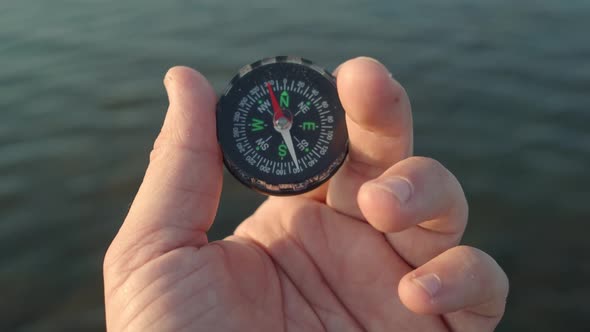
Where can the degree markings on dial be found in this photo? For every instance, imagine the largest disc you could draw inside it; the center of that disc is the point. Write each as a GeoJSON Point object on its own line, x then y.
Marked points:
{"type": "Point", "coordinates": [305, 92]}
{"type": "Point", "coordinates": [302, 160]}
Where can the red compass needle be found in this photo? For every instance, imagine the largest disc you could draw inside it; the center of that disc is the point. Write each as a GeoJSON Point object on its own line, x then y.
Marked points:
{"type": "Point", "coordinates": [275, 104]}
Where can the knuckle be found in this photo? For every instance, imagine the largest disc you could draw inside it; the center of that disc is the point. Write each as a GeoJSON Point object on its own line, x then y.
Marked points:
{"type": "Point", "coordinates": [173, 142]}
{"type": "Point", "coordinates": [429, 164]}
{"type": "Point", "coordinates": [471, 258]}
{"type": "Point", "coordinates": [476, 255]}
{"type": "Point", "coordinates": [428, 172]}
{"type": "Point", "coordinates": [157, 149]}
{"type": "Point", "coordinates": [426, 166]}
{"type": "Point", "coordinates": [476, 262]}
{"type": "Point", "coordinates": [441, 177]}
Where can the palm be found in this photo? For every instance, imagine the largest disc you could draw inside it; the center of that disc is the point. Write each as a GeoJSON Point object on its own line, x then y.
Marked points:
{"type": "Point", "coordinates": [296, 264]}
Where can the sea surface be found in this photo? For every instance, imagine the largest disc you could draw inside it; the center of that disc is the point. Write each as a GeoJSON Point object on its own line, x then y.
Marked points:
{"type": "Point", "coordinates": [500, 93]}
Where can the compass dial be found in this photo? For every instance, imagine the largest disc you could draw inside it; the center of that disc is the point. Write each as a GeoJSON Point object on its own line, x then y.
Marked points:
{"type": "Point", "coordinates": [281, 126]}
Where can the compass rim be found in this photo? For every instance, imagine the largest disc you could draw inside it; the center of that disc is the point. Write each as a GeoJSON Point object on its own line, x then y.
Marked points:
{"type": "Point", "coordinates": [254, 182]}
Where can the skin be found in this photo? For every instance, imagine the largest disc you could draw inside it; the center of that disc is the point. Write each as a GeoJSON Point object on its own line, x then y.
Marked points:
{"type": "Point", "coordinates": [374, 249]}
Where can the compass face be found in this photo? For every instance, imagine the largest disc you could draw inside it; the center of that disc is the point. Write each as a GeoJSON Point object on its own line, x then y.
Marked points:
{"type": "Point", "coordinates": [281, 126]}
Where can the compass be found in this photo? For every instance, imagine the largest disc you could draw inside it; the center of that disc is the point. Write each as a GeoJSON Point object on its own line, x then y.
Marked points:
{"type": "Point", "coordinates": [281, 127]}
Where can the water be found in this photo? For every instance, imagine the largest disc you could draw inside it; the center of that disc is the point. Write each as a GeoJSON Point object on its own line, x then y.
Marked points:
{"type": "Point", "coordinates": [499, 91]}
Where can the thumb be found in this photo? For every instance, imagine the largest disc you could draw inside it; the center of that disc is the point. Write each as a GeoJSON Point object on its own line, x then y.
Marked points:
{"type": "Point", "coordinates": [178, 199]}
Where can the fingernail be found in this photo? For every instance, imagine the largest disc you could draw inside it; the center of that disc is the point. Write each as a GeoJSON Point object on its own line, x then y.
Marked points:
{"type": "Point", "coordinates": [370, 59]}
{"type": "Point", "coordinates": [429, 282]}
{"type": "Point", "coordinates": [376, 61]}
{"type": "Point", "coordinates": [401, 188]}
{"type": "Point", "coordinates": [335, 71]}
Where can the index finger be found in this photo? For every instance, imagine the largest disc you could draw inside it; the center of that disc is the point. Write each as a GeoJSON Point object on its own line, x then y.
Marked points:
{"type": "Point", "coordinates": [379, 121]}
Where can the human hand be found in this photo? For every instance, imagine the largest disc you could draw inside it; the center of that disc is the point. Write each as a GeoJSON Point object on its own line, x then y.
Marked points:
{"type": "Point", "coordinates": [375, 248]}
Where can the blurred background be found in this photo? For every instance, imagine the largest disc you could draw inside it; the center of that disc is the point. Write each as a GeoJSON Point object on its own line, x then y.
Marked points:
{"type": "Point", "coordinates": [500, 92]}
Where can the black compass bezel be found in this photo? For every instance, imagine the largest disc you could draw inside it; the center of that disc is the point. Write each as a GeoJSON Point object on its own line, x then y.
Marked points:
{"type": "Point", "coordinates": [257, 182]}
